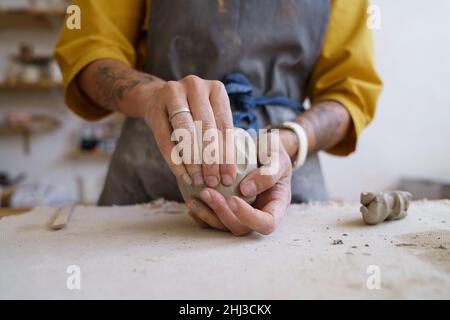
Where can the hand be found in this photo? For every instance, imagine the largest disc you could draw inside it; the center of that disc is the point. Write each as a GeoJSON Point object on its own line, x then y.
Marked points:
{"type": "Point", "coordinates": [208, 103]}
{"type": "Point", "coordinates": [235, 215]}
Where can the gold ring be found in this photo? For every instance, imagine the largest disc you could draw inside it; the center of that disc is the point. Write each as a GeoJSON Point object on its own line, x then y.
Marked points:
{"type": "Point", "coordinates": [177, 111]}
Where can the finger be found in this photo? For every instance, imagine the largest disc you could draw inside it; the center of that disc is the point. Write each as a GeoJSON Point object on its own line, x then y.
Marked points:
{"type": "Point", "coordinates": [198, 221]}
{"type": "Point", "coordinates": [253, 218]}
{"type": "Point", "coordinates": [162, 133]}
{"type": "Point", "coordinates": [198, 98]}
{"type": "Point", "coordinates": [218, 204]}
{"type": "Point", "coordinates": [264, 220]}
{"type": "Point", "coordinates": [202, 212]}
{"type": "Point", "coordinates": [259, 181]}
{"type": "Point", "coordinates": [175, 97]}
{"type": "Point", "coordinates": [220, 104]}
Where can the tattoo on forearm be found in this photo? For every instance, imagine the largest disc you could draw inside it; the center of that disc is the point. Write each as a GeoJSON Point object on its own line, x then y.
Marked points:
{"type": "Point", "coordinates": [114, 82]}
{"type": "Point", "coordinates": [327, 124]}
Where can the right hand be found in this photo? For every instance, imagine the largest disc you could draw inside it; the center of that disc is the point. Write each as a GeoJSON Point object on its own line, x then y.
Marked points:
{"type": "Point", "coordinates": [233, 214]}
{"type": "Point", "coordinates": [209, 103]}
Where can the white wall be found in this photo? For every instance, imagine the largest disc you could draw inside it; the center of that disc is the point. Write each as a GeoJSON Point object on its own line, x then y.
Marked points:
{"type": "Point", "coordinates": [410, 135]}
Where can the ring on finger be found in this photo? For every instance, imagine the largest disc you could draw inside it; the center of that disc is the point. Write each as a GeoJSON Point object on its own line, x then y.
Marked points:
{"type": "Point", "coordinates": [178, 110]}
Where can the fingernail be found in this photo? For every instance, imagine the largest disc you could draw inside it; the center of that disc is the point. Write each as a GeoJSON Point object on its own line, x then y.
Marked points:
{"type": "Point", "coordinates": [249, 188]}
{"type": "Point", "coordinates": [232, 204]}
{"type": "Point", "coordinates": [227, 180]}
{"type": "Point", "coordinates": [186, 179]}
{"type": "Point", "coordinates": [198, 179]}
{"type": "Point", "coordinates": [212, 181]}
{"type": "Point", "coordinates": [206, 195]}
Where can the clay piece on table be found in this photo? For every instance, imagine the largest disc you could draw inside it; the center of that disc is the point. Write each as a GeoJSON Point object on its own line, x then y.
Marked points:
{"type": "Point", "coordinates": [383, 206]}
{"type": "Point", "coordinates": [164, 206]}
{"type": "Point", "coordinates": [246, 153]}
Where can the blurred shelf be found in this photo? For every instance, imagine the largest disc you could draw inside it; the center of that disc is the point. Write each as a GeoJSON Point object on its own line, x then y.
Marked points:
{"type": "Point", "coordinates": [19, 130]}
{"type": "Point", "coordinates": [38, 124]}
{"type": "Point", "coordinates": [10, 130]}
{"type": "Point", "coordinates": [87, 155]}
{"type": "Point", "coordinates": [33, 12]}
{"type": "Point", "coordinates": [41, 85]}
{"type": "Point", "coordinates": [5, 212]}
{"type": "Point", "coordinates": [30, 17]}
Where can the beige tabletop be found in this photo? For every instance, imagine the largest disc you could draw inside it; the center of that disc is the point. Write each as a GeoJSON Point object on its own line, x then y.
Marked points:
{"type": "Point", "coordinates": [156, 252]}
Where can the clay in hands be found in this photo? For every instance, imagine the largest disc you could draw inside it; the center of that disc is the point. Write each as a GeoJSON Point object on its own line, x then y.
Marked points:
{"type": "Point", "coordinates": [245, 149]}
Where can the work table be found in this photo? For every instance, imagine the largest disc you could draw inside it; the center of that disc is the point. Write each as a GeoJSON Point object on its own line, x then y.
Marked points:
{"type": "Point", "coordinates": [155, 251]}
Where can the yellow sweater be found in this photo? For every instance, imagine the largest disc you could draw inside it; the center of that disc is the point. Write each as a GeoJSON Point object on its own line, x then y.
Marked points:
{"type": "Point", "coordinates": [115, 29]}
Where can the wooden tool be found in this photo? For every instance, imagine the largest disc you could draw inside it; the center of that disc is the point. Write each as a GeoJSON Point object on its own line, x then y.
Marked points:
{"type": "Point", "coordinates": [62, 217]}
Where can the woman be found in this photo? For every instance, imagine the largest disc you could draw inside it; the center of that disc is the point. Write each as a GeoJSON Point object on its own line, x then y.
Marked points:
{"type": "Point", "coordinates": [294, 49]}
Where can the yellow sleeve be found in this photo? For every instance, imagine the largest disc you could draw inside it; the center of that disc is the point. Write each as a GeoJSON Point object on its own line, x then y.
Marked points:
{"type": "Point", "coordinates": [109, 29]}
{"type": "Point", "coordinates": [345, 70]}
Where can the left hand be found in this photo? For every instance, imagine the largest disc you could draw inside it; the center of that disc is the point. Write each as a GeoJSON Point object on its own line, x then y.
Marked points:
{"type": "Point", "coordinates": [234, 214]}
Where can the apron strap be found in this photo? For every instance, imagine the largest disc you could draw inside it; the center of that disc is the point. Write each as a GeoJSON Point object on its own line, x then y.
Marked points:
{"type": "Point", "coordinates": [242, 102]}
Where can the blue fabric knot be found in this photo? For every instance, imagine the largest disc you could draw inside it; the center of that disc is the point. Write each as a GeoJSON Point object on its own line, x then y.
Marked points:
{"type": "Point", "coordinates": [242, 102]}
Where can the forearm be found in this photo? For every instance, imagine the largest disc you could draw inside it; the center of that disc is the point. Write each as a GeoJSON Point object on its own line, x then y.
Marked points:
{"type": "Point", "coordinates": [114, 86]}
{"type": "Point", "coordinates": [326, 124]}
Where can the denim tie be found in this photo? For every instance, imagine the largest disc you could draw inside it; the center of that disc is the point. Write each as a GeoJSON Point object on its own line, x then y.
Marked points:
{"type": "Point", "coordinates": [242, 102]}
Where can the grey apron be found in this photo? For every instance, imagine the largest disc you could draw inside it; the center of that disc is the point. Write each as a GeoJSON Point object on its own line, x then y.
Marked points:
{"type": "Point", "coordinates": [274, 43]}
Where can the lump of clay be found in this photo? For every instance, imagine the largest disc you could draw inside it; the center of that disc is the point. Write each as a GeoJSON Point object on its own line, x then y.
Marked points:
{"type": "Point", "coordinates": [246, 154]}
{"type": "Point", "coordinates": [382, 206]}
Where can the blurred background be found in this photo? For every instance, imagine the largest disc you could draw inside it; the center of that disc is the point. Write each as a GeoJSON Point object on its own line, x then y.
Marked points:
{"type": "Point", "coordinates": [407, 145]}
{"type": "Point", "coordinates": [48, 156]}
